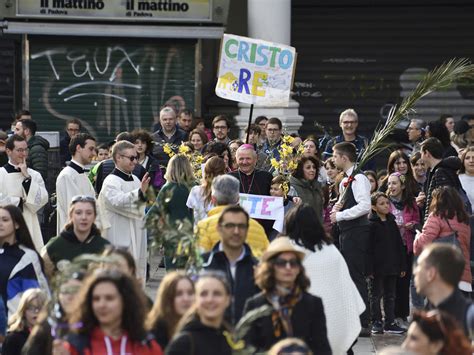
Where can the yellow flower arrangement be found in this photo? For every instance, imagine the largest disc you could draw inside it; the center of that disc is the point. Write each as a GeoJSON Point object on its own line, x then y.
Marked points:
{"type": "Point", "coordinates": [195, 158]}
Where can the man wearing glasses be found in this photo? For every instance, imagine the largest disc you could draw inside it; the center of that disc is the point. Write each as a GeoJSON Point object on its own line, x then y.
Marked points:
{"type": "Point", "coordinates": [416, 133]}
{"type": "Point", "coordinates": [23, 187]}
{"type": "Point", "coordinates": [348, 121]}
{"type": "Point", "coordinates": [73, 127]}
{"type": "Point", "coordinates": [122, 205]}
{"type": "Point", "coordinates": [72, 180]}
{"type": "Point", "coordinates": [272, 144]}
{"type": "Point", "coordinates": [221, 129]}
{"type": "Point", "coordinates": [233, 256]}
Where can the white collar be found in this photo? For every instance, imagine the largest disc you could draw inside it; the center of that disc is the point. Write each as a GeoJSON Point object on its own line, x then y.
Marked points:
{"type": "Point", "coordinates": [75, 162]}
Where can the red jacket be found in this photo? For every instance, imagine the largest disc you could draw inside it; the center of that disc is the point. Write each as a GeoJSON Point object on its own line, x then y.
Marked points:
{"type": "Point", "coordinates": [436, 227]}
{"type": "Point", "coordinates": [97, 345]}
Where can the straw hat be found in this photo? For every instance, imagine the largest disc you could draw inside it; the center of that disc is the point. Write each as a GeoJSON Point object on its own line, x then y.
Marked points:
{"type": "Point", "coordinates": [281, 245]}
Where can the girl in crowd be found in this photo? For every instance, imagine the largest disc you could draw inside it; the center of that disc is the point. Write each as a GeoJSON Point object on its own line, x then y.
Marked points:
{"type": "Point", "coordinates": [199, 199]}
{"type": "Point", "coordinates": [310, 145]}
{"type": "Point", "coordinates": [21, 322]}
{"type": "Point", "coordinates": [399, 162]}
{"type": "Point", "coordinates": [372, 176]}
{"type": "Point", "coordinates": [175, 296]}
{"type": "Point", "coordinates": [122, 260]}
{"type": "Point", "coordinates": [436, 333]}
{"type": "Point", "coordinates": [295, 313]}
{"type": "Point", "coordinates": [222, 151]}
{"type": "Point", "coordinates": [304, 181]}
{"type": "Point", "coordinates": [201, 330]}
{"type": "Point", "coordinates": [198, 123]}
{"type": "Point", "coordinates": [439, 130]}
{"type": "Point", "coordinates": [79, 236]}
{"type": "Point", "coordinates": [448, 122]}
{"type": "Point", "coordinates": [233, 146]}
{"type": "Point", "coordinates": [419, 170]}
{"type": "Point", "coordinates": [198, 139]}
{"type": "Point", "coordinates": [327, 271]}
{"type": "Point", "coordinates": [40, 341]}
{"type": "Point", "coordinates": [111, 311]}
{"type": "Point", "coordinates": [407, 217]}
{"type": "Point", "coordinates": [19, 261]}
{"type": "Point", "coordinates": [144, 144]}
{"type": "Point", "coordinates": [466, 173]}
{"type": "Point", "coordinates": [447, 217]}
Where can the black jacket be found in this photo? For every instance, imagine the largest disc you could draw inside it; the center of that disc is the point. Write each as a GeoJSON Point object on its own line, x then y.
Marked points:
{"type": "Point", "coordinates": [197, 339]}
{"type": "Point", "coordinates": [64, 153]}
{"type": "Point", "coordinates": [38, 155]}
{"type": "Point", "coordinates": [243, 286]}
{"type": "Point", "coordinates": [308, 320]}
{"type": "Point", "coordinates": [443, 174]}
{"type": "Point", "coordinates": [14, 342]}
{"type": "Point", "coordinates": [387, 255]}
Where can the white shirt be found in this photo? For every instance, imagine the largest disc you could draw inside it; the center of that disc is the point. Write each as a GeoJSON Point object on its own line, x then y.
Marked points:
{"type": "Point", "coordinates": [361, 190]}
{"type": "Point", "coordinates": [467, 183]}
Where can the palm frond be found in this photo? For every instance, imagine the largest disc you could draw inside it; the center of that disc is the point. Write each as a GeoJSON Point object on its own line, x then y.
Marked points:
{"type": "Point", "coordinates": [441, 77]}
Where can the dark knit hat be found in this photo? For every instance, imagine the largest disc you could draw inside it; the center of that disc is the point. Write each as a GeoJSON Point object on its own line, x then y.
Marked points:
{"type": "Point", "coordinates": [461, 127]}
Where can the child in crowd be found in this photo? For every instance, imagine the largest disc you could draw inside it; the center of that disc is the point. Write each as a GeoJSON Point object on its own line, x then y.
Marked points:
{"type": "Point", "coordinates": [407, 217]}
{"type": "Point", "coordinates": [372, 176]}
{"type": "Point", "coordinates": [102, 152]}
{"type": "Point", "coordinates": [387, 262]}
{"type": "Point", "coordinates": [381, 175]}
{"type": "Point", "coordinates": [289, 198]}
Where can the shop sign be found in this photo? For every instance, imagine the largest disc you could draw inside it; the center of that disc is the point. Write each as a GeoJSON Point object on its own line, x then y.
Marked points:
{"type": "Point", "coordinates": [255, 71]}
{"type": "Point", "coordinates": [136, 10]}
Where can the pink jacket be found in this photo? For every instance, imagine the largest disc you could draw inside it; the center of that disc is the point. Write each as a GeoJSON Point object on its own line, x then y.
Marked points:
{"type": "Point", "coordinates": [410, 215]}
{"type": "Point", "coordinates": [438, 227]}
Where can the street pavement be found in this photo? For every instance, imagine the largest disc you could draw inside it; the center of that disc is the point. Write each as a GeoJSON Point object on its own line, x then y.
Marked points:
{"type": "Point", "coordinates": [364, 346]}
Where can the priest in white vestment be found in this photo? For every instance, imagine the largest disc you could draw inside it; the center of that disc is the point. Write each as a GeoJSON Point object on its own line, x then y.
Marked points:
{"type": "Point", "coordinates": [72, 180]}
{"type": "Point", "coordinates": [122, 205]}
{"type": "Point", "coordinates": [23, 187]}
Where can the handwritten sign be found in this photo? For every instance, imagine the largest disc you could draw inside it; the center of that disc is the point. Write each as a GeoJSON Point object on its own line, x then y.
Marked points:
{"type": "Point", "coordinates": [255, 71]}
{"type": "Point", "coordinates": [264, 207]}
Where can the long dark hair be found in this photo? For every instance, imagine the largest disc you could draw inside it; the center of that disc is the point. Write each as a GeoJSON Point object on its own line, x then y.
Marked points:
{"type": "Point", "coordinates": [303, 226]}
{"type": "Point", "coordinates": [447, 203]}
{"type": "Point", "coordinates": [438, 130]}
{"type": "Point", "coordinates": [299, 173]}
{"type": "Point", "coordinates": [133, 300]}
{"type": "Point", "coordinates": [22, 234]}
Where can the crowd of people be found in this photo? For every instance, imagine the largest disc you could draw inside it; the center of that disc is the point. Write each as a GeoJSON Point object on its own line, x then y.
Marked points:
{"type": "Point", "coordinates": [362, 251]}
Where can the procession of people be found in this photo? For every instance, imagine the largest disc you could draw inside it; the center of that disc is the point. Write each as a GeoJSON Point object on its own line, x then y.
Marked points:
{"type": "Point", "coordinates": [359, 250]}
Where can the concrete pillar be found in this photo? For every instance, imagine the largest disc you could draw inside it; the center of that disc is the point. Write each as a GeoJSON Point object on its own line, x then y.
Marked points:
{"type": "Point", "coordinates": [270, 20]}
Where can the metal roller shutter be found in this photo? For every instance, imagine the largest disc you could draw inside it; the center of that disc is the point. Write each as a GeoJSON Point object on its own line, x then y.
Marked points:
{"type": "Point", "coordinates": [111, 85]}
{"type": "Point", "coordinates": [369, 57]}
{"type": "Point", "coordinates": [7, 82]}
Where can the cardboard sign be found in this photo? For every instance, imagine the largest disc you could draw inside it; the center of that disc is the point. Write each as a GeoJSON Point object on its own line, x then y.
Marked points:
{"type": "Point", "coordinates": [264, 207]}
{"type": "Point", "coordinates": [255, 71]}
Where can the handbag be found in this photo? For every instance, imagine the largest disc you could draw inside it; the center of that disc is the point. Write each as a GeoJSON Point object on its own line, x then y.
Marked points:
{"type": "Point", "coordinates": [449, 239]}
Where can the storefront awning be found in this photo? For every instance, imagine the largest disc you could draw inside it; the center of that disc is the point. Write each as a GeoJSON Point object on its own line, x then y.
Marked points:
{"type": "Point", "coordinates": [106, 30]}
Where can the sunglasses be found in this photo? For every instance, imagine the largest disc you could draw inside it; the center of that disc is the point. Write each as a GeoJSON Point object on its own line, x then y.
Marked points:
{"type": "Point", "coordinates": [132, 157]}
{"type": "Point", "coordinates": [83, 198]}
{"type": "Point", "coordinates": [282, 263]}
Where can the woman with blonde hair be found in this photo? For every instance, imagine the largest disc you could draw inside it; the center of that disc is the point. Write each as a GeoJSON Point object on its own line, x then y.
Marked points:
{"type": "Point", "coordinates": [199, 199]}
{"type": "Point", "coordinates": [172, 198]}
{"type": "Point", "coordinates": [201, 331]}
{"type": "Point", "coordinates": [175, 296]}
{"type": "Point", "coordinates": [22, 321]}
{"type": "Point", "coordinates": [79, 236]}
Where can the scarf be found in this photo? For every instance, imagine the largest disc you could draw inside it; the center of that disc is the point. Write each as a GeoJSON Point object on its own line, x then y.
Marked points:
{"type": "Point", "coordinates": [283, 309]}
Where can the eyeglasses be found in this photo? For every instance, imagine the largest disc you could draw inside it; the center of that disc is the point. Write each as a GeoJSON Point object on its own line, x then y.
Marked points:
{"type": "Point", "coordinates": [69, 290]}
{"type": "Point", "coordinates": [132, 157]}
{"type": "Point", "coordinates": [230, 226]}
{"type": "Point", "coordinates": [82, 198]}
{"type": "Point", "coordinates": [73, 130]}
{"type": "Point", "coordinates": [282, 263]}
{"type": "Point", "coordinates": [33, 309]}
{"type": "Point", "coordinates": [412, 129]}
{"type": "Point", "coordinates": [220, 128]}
